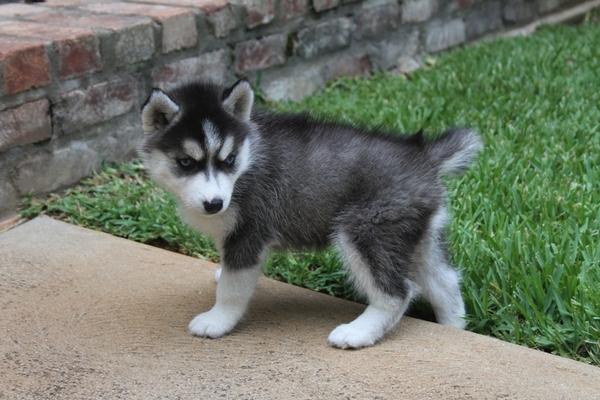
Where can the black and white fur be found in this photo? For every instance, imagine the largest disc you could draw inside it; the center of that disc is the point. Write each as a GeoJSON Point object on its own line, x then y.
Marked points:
{"type": "Point", "coordinates": [257, 181]}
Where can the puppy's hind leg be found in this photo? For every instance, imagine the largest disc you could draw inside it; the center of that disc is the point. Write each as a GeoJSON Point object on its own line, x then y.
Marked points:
{"type": "Point", "coordinates": [439, 281]}
{"type": "Point", "coordinates": [234, 291]}
{"type": "Point", "coordinates": [384, 310]}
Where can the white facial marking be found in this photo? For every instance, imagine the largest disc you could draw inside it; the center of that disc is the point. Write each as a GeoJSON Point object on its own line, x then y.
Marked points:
{"type": "Point", "coordinates": [206, 187]}
{"type": "Point", "coordinates": [226, 149]}
{"type": "Point", "coordinates": [243, 159]}
{"type": "Point", "coordinates": [193, 149]}
{"type": "Point", "coordinates": [203, 187]}
{"type": "Point", "coordinates": [193, 190]}
{"type": "Point", "coordinates": [214, 184]}
{"type": "Point", "coordinates": [159, 167]}
{"type": "Point", "coordinates": [213, 142]}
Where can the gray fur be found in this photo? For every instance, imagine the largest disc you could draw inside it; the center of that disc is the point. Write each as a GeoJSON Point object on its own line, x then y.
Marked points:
{"type": "Point", "coordinates": [307, 183]}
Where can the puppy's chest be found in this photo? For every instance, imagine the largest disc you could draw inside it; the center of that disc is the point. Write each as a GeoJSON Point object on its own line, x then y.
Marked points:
{"type": "Point", "coordinates": [217, 227]}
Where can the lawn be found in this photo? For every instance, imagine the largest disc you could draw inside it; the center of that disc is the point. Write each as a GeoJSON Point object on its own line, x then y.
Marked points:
{"type": "Point", "coordinates": [526, 217]}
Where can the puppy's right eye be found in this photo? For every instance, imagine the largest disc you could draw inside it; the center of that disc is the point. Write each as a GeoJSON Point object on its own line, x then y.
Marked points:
{"type": "Point", "coordinates": [185, 163]}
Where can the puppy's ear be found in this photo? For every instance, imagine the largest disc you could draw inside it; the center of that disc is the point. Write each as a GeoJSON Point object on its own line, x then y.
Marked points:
{"type": "Point", "coordinates": [239, 99]}
{"type": "Point", "coordinates": [158, 111]}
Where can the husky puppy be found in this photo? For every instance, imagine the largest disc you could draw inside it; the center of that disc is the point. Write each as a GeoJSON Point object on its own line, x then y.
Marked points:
{"type": "Point", "coordinates": [256, 181]}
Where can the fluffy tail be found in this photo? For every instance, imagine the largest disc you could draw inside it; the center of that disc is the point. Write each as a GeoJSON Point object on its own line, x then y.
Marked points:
{"type": "Point", "coordinates": [455, 150]}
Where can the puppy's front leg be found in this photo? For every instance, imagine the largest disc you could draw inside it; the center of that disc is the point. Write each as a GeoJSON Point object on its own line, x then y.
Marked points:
{"type": "Point", "coordinates": [234, 290]}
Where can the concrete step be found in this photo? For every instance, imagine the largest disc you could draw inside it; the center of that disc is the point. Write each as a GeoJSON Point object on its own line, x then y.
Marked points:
{"type": "Point", "coordinates": [87, 315]}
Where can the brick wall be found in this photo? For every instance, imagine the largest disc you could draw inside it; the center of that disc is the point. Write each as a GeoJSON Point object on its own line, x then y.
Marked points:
{"type": "Point", "coordinates": [73, 73]}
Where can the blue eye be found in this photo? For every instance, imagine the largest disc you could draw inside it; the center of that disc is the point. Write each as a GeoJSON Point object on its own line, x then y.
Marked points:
{"type": "Point", "coordinates": [185, 163]}
{"type": "Point", "coordinates": [229, 161]}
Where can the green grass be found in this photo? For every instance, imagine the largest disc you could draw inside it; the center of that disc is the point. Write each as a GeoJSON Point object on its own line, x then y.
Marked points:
{"type": "Point", "coordinates": [526, 225]}
{"type": "Point", "coordinates": [122, 201]}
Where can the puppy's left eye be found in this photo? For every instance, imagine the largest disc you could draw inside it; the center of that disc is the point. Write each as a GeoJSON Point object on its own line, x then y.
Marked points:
{"type": "Point", "coordinates": [229, 161]}
{"type": "Point", "coordinates": [185, 163]}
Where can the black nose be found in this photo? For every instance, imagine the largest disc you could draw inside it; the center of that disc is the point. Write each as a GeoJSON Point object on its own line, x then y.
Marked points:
{"type": "Point", "coordinates": [213, 206]}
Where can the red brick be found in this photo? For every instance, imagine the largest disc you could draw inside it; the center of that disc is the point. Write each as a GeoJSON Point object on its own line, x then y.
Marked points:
{"type": "Point", "coordinates": [82, 108]}
{"type": "Point", "coordinates": [297, 83]}
{"type": "Point", "coordinates": [260, 54]}
{"type": "Point", "coordinates": [210, 66]}
{"type": "Point", "coordinates": [41, 30]}
{"type": "Point", "coordinates": [65, 3]}
{"type": "Point", "coordinates": [179, 32]}
{"type": "Point", "coordinates": [44, 172]}
{"type": "Point", "coordinates": [441, 36]}
{"type": "Point", "coordinates": [77, 49]}
{"type": "Point", "coordinates": [459, 5]}
{"type": "Point", "coordinates": [518, 11]}
{"type": "Point", "coordinates": [17, 9]}
{"type": "Point", "coordinates": [78, 19]}
{"type": "Point", "coordinates": [260, 12]}
{"type": "Point", "coordinates": [419, 10]}
{"type": "Point", "coordinates": [484, 18]}
{"type": "Point", "coordinates": [134, 35]}
{"type": "Point", "coordinates": [178, 24]}
{"type": "Point", "coordinates": [222, 20]}
{"type": "Point", "coordinates": [322, 5]}
{"type": "Point", "coordinates": [404, 46]}
{"type": "Point", "coordinates": [293, 8]}
{"type": "Point", "coordinates": [25, 64]}
{"type": "Point", "coordinates": [78, 56]}
{"type": "Point", "coordinates": [208, 6]}
{"type": "Point", "coordinates": [324, 38]}
{"type": "Point", "coordinates": [9, 201]}
{"type": "Point", "coordinates": [377, 21]}
{"type": "Point", "coordinates": [352, 65]}
{"type": "Point", "coordinates": [545, 6]}
{"type": "Point", "coordinates": [26, 124]}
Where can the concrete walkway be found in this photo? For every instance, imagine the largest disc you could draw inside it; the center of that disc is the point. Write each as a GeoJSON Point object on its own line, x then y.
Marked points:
{"type": "Point", "coordinates": [87, 315]}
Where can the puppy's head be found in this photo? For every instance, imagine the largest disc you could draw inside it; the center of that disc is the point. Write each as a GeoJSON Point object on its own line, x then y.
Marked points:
{"type": "Point", "coordinates": [197, 142]}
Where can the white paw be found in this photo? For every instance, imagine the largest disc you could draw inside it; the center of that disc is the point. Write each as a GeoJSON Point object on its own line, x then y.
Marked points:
{"type": "Point", "coordinates": [347, 336]}
{"type": "Point", "coordinates": [455, 321]}
{"type": "Point", "coordinates": [218, 274]}
{"type": "Point", "coordinates": [211, 324]}
{"type": "Point", "coordinates": [455, 318]}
